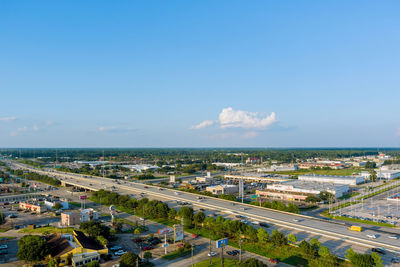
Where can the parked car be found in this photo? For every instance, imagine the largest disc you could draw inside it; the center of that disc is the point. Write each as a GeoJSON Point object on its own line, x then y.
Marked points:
{"type": "Point", "coordinates": [378, 250]}
{"type": "Point", "coordinates": [263, 224]}
{"type": "Point", "coordinates": [138, 240]}
{"type": "Point", "coordinates": [394, 260]}
{"type": "Point", "coordinates": [180, 245]}
{"type": "Point", "coordinates": [115, 248]}
{"type": "Point", "coordinates": [211, 254]}
{"type": "Point", "coordinates": [273, 261]}
{"type": "Point", "coordinates": [120, 253]}
{"type": "Point", "coordinates": [194, 235]}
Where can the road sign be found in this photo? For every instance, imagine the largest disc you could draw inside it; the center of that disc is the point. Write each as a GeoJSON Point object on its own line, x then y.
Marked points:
{"type": "Point", "coordinates": [178, 235]}
{"type": "Point", "coordinates": [165, 245]}
{"type": "Point", "coordinates": [221, 243]}
{"type": "Point", "coordinates": [164, 231]}
{"type": "Point", "coordinates": [83, 197]}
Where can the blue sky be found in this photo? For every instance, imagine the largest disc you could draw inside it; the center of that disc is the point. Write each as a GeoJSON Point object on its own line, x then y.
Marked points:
{"type": "Point", "coordinates": [199, 73]}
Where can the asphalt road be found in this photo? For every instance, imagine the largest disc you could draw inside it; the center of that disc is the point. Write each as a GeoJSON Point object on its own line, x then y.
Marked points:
{"type": "Point", "coordinates": [328, 229]}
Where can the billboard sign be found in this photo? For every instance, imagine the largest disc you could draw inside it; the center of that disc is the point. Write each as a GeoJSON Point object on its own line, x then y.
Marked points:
{"type": "Point", "coordinates": [221, 243]}
{"type": "Point", "coordinates": [178, 232]}
{"type": "Point", "coordinates": [165, 231]}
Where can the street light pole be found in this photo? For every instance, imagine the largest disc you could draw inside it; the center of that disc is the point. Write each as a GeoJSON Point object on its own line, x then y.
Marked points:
{"type": "Point", "coordinates": [192, 254]}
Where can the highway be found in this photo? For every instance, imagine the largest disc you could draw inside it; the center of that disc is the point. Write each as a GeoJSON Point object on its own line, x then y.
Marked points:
{"type": "Point", "coordinates": [329, 229]}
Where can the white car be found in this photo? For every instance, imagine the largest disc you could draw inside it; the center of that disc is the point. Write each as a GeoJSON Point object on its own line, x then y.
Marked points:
{"type": "Point", "coordinates": [393, 237]}
{"type": "Point", "coordinates": [120, 253]}
{"type": "Point", "coordinates": [296, 220]}
{"type": "Point", "coordinates": [255, 222]}
{"type": "Point", "coordinates": [211, 254]}
{"type": "Point", "coordinates": [3, 247]}
{"type": "Point", "coordinates": [371, 236]}
{"type": "Point", "coordinates": [176, 193]}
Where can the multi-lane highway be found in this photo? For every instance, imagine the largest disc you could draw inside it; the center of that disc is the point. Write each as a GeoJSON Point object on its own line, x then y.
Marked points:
{"type": "Point", "coordinates": [329, 229]}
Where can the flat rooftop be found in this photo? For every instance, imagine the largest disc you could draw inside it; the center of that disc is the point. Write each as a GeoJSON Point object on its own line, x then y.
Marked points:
{"type": "Point", "coordinates": [331, 176]}
{"type": "Point", "coordinates": [312, 185]}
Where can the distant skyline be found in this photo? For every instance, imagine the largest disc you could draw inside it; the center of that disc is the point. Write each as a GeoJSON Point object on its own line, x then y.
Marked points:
{"type": "Point", "coordinates": [200, 74]}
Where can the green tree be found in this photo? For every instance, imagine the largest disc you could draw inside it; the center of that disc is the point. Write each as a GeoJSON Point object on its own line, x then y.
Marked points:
{"type": "Point", "coordinates": [252, 263]}
{"type": "Point", "coordinates": [93, 264]}
{"type": "Point", "coordinates": [315, 243]}
{"type": "Point", "coordinates": [52, 263]}
{"type": "Point", "coordinates": [198, 218]}
{"type": "Point", "coordinates": [324, 252]}
{"type": "Point", "coordinates": [128, 260]}
{"type": "Point", "coordinates": [94, 229]}
{"type": "Point", "coordinates": [2, 218]}
{"type": "Point", "coordinates": [262, 235]}
{"type": "Point", "coordinates": [57, 206]}
{"type": "Point", "coordinates": [308, 250]}
{"type": "Point", "coordinates": [172, 214]}
{"type": "Point", "coordinates": [277, 238]}
{"type": "Point", "coordinates": [312, 199]}
{"type": "Point", "coordinates": [377, 259]}
{"type": "Point", "coordinates": [292, 238]}
{"type": "Point", "coordinates": [32, 248]}
{"type": "Point", "coordinates": [147, 255]}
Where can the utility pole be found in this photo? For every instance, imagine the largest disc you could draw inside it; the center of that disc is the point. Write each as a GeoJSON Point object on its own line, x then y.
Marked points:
{"type": "Point", "coordinates": [210, 249]}
{"type": "Point", "coordinates": [240, 246]}
{"type": "Point", "coordinates": [192, 254]}
{"type": "Point", "coordinates": [222, 256]}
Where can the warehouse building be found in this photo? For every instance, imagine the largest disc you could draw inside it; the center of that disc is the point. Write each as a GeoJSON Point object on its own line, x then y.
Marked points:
{"type": "Point", "coordinates": [223, 189]}
{"type": "Point", "coordinates": [388, 174]}
{"type": "Point", "coordinates": [299, 190]}
{"type": "Point", "coordinates": [347, 180]}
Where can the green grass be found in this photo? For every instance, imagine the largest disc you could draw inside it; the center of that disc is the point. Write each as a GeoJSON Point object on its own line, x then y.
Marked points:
{"type": "Point", "coordinates": [47, 230]}
{"type": "Point", "coordinates": [379, 192]}
{"type": "Point", "coordinates": [349, 195]}
{"type": "Point", "coordinates": [176, 254]}
{"type": "Point", "coordinates": [361, 221]}
{"type": "Point", "coordinates": [75, 204]}
{"type": "Point", "coordinates": [216, 262]}
{"type": "Point", "coordinates": [2, 230]}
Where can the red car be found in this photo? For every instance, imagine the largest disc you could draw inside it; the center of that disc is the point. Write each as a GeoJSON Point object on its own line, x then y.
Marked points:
{"type": "Point", "coordinates": [180, 245]}
{"type": "Point", "coordinates": [147, 248]}
{"type": "Point", "coordinates": [273, 261]}
{"type": "Point", "coordinates": [194, 235]}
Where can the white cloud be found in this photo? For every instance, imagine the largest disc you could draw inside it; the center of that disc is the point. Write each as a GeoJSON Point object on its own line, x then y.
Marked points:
{"type": "Point", "coordinates": [35, 128]}
{"type": "Point", "coordinates": [230, 118]}
{"type": "Point", "coordinates": [19, 130]}
{"type": "Point", "coordinates": [8, 119]}
{"type": "Point", "coordinates": [201, 125]}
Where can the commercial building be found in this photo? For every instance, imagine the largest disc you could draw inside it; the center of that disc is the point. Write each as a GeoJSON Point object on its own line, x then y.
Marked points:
{"type": "Point", "coordinates": [50, 203]}
{"type": "Point", "coordinates": [32, 207]}
{"type": "Point", "coordinates": [348, 180]}
{"type": "Point", "coordinates": [223, 189]}
{"type": "Point", "coordinates": [89, 215]}
{"type": "Point", "coordinates": [256, 177]}
{"type": "Point", "coordinates": [205, 179]}
{"type": "Point", "coordinates": [387, 174]}
{"type": "Point", "coordinates": [299, 190]}
{"type": "Point", "coordinates": [69, 218]}
{"type": "Point", "coordinates": [252, 160]}
{"type": "Point", "coordinates": [332, 165]}
{"type": "Point", "coordinates": [83, 249]}
{"type": "Point", "coordinates": [279, 168]}
{"type": "Point", "coordinates": [19, 198]}
{"type": "Point", "coordinates": [141, 167]}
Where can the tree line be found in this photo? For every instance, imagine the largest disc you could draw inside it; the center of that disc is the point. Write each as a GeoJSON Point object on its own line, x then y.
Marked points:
{"type": "Point", "coordinates": [259, 240]}
{"type": "Point", "coordinates": [36, 177]}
